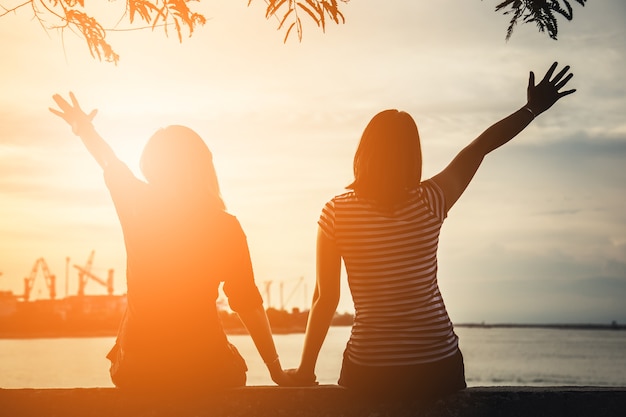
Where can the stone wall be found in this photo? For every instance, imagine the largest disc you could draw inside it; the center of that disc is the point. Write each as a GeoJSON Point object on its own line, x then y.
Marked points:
{"type": "Point", "coordinates": [322, 401]}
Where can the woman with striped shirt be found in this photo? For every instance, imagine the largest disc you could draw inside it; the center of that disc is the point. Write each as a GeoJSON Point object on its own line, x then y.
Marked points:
{"type": "Point", "coordinates": [386, 230]}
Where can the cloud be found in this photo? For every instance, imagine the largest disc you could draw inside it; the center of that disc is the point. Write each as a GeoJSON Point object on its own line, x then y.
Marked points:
{"type": "Point", "coordinates": [540, 234]}
{"type": "Point", "coordinates": [597, 299]}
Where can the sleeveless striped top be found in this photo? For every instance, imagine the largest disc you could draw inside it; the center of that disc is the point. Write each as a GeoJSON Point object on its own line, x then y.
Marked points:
{"type": "Point", "coordinates": [391, 261]}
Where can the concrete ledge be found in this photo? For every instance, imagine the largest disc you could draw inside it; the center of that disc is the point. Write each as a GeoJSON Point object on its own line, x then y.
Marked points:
{"type": "Point", "coordinates": [322, 401]}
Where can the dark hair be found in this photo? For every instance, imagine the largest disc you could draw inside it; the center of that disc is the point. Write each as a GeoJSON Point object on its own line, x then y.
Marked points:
{"type": "Point", "coordinates": [388, 161]}
{"type": "Point", "coordinates": [176, 157]}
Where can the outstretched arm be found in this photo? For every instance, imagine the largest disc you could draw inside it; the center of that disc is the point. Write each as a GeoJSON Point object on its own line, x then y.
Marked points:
{"type": "Point", "coordinates": [82, 127]}
{"type": "Point", "coordinates": [325, 300]}
{"type": "Point", "coordinates": [455, 178]}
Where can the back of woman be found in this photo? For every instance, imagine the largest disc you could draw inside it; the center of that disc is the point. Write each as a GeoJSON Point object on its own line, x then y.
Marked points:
{"type": "Point", "coordinates": [386, 231]}
{"type": "Point", "coordinates": [180, 245]}
{"type": "Point", "coordinates": [390, 257]}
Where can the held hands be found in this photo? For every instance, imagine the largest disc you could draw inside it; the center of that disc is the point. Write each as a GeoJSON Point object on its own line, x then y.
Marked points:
{"type": "Point", "coordinates": [543, 95]}
{"type": "Point", "coordinates": [289, 377]}
{"type": "Point", "coordinates": [72, 113]}
{"type": "Point", "coordinates": [279, 376]}
{"type": "Point", "coordinates": [297, 379]}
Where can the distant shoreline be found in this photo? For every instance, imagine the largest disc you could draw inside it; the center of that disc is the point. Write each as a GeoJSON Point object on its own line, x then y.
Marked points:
{"type": "Point", "coordinates": [556, 326]}
{"type": "Point", "coordinates": [295, 330]}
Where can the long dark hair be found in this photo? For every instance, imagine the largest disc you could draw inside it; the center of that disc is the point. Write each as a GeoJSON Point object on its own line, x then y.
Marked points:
{"type": "Point", "coordinates": [388, 161]}
{"type": "Point", "coordinates": [177, 158]}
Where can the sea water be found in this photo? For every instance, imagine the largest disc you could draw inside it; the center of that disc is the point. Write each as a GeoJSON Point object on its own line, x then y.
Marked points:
{"type": "Point", "coordinates": [493, 356]}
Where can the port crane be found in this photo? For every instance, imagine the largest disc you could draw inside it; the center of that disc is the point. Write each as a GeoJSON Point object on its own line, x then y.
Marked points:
{"type": "Point", "coordinates": [29, 281]}
{"type": "Point", "coordinates": [290, 296]}
{"type": "Point", "coordinates": [84, 273]}
{"type": "Point", "coordinates": [283, 301]}
{"type": "Point", "coordinates": [268, 284]}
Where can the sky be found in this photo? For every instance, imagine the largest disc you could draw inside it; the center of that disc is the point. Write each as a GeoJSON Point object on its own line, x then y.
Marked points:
{"type": "Point", "coordinates": [538, 237]}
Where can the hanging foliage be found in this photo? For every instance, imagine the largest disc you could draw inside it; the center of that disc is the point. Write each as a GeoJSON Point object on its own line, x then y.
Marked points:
{"type": "Point", "coordinates": [290, 11]}
{"type": "Point", "coordinates": [71, 14]}
{"type": "Point", "coordinates": [541, 12]}
{"type": "Point", "coordinates": [178, 14]}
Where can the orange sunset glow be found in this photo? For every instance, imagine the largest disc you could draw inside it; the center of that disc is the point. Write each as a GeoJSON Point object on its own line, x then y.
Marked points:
{"type": "Point", "coordinates": [539, 236]}
{"type": "Point", "coordinates": [185, 193]}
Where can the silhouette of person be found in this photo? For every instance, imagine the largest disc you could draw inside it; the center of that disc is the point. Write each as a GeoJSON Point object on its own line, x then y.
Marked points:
{"type": "Point", "coordinates": [386, 231]}
{"type": "Point", "coordinates": [180, 245]}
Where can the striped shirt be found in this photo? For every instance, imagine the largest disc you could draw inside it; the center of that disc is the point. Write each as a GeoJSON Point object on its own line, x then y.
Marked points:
{"type": "Point", "coordinates": [391, 261]}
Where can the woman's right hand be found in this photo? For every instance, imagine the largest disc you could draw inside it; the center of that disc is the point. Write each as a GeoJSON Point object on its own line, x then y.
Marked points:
{"type": "Point", "coordinates": [543, 95]}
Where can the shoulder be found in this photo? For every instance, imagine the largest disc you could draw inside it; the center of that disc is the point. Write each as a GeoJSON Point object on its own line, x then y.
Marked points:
{"type": "Point", "coordinates": [429, 189]}
{"type": "Point", "coordinates": [347, 198]}
{"type": "Point", "coordinates": [227, 217]}
{"type": "Point", "coordinates": [123, 185]}
{"type": "Point", "coordinates": [433, 196]}
{"type": "Point", "coordinates": [228, 223]}
{"type": "Point", "coordinates": [340, 202]}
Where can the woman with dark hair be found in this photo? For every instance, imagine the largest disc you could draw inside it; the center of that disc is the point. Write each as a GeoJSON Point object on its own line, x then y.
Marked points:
{"type": "Point", "coordinates": [180, 245]}
{"type": "Point", "coordinates": [386, 231]}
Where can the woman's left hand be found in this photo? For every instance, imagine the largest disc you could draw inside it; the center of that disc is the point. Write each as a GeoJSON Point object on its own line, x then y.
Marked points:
{"type": "Point", "coordinates": [72, 113]}
{"type": "Point", "coordinates": [543, 95]}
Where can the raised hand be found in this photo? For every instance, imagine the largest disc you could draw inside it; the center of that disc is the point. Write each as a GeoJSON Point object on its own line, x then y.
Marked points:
{"type": "Point", "coordinates": [81, 126]}
{"type": "Point", "coordinates": [543, 95]}
{"type": "Point", "coordinates": [72, 113]}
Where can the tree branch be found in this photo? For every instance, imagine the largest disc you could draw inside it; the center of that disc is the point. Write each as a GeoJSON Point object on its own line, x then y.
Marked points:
{"type": "Point", "coordinates": [13, 9]}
